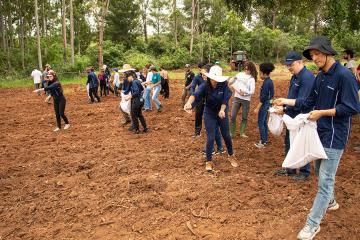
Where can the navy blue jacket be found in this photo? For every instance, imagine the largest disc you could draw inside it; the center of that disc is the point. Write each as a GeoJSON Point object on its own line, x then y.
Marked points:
{"type": "Point", "coordinates": [214, 98]}
{"type": "Point", "coordinates": [335, 89]}
{"type": "Point", "coordinates": [136, 89]}
{"type": "Point", "coordinates": [198, 80]}
{"type": "Point", "coordinates": [92, 80]}
{"type": "Point", "coordinates": [300, 87]}
{"type": "Point", "coordinates": [55, 89]}
{"type": "Point", "coordinates": [267, 90]}
{"type": "Point", "coordinates": [126, 87]}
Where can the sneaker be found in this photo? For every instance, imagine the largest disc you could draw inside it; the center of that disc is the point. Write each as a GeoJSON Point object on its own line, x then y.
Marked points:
{"type": "Point", "coordinates": [196, 135]}
{"type": "Point", "coordinates": [136, 131]}
{"type": "Point", "coordinates": [260, 145]}
{"type": "Point", "coordinates": [233, 161]}
{"type": "Point", "coordinates": [243, 135]}
{"type": "Point", "coordinates": [300, 177]}
{"type": "Point", "coordinates": [204, 152]}
{"type": "Point", "coordinates": [333, 205]}
{"type": "Point", "coordinates": [160, 109]}
{"type": "Point", "coordinates": [56, 129]}
{"type": "Point", "coordinates": [125, 123]}
{"type": "Point", "coordinates": [220, 151]}
{"type": "Point", "coordinates": [209, 166]}
{"type": "Point", "coordinates": [146, 130]}
{"type": "Point", "coordinates": [67, 126]}
{"type": "Point", "coordinates": [308, 232]}
{"type": "Point", "coordinates": [281, 172]}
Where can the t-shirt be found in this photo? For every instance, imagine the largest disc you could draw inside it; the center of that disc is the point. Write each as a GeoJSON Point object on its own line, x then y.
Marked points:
{"type": "Point", "coordinates": [156, 78]}
{"type": "Point", "coordinates": [36, 74]}
{"type": "Point", "coordinates": [117, 79]}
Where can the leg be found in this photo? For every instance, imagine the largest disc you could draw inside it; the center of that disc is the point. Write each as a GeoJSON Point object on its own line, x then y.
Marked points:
{"type": "Point", "coordinates": [166, 89]}
{"type": "Point", "coordinates": [244, 116]}
{"type": "Point", "coordinates": [234, 111]}
{"type": "Point", "coordinates": [262, 122]}
{"type": "Point", "coordinates": [224, 129]}
{"type": "Point", "coordinates": [198, 117]}
{"type": "Point", "coordinates": [155, 96]}
{"type": "Point", "coordinates": [57, 113]}
{"type": "Point", "coordinates": [210, 125]}
{"type": "Point", "coordinates": [62, 106]}
{"type": "Point", "coordinates": [326, 181]}
{"type": "Point", "coordinates": [183, 96]}
{"type": "Point", "coordinates": [91, 94]}
{"type": "Point", "coordinates": [96, 94]}
{"type": "Point", "coordinates": [141, 117]}
{"type": "Point", "coordinates": [134, 114]}
{"type": "Point", "coordinates": [218, 139]}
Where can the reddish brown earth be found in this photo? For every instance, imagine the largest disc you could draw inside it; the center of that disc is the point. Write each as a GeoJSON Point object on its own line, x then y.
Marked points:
{"type": "Point", "coordinates": [99, 181]}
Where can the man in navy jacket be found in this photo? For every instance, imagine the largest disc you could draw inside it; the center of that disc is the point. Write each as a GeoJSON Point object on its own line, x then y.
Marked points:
{"type": "Point", "coordinates": [334, 100]}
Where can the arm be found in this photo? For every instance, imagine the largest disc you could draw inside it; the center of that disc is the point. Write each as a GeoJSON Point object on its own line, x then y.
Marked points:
{"type": "Point", "coordinates": [52, 86]}
{"type": "Point", "coordinates": [251, 88]}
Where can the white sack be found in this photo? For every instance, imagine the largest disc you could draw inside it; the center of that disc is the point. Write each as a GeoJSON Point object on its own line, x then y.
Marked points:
{"type": "Point", "coordinates": [125, 105]}
{"type": "Point", "coordinates": [275, 122]}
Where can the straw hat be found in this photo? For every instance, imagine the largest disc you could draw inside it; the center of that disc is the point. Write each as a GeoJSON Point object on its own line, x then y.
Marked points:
{"type": "Point", "coordinates": [126, 68]}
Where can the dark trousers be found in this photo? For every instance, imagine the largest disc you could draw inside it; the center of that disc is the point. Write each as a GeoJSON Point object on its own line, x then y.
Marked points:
{"type": "Point", "coordinates": [136, 113]}
{"type": "Point", "coordinates": [165, 89]}
{"type": "Point", "coordinates": [103, 88]}
{"type": "Point", "coordinates": [199, 111]}
{"type": "Point", "coordinates": [59, 107]}
{"type": "Point", "coordinates": [212, 121]}
{"type": "Point", "coordinates": [93, 93]}
{"type": "Point", "coordinates": [262, 123]}
{"type": "Point", "coordinates": [305, 170]}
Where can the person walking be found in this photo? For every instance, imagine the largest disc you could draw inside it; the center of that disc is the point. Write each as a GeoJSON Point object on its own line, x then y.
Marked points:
{"type": "Point", "coordinates": [189, 77]}
{"type": "Point", "coordinates": [243, 87]}
{"type": "Point", "coordinates": [57, 93]}
{"type": "Point", "coordinates": [156, 86]}
{"type": "Point", "coordinates": [93, 84]}
{"type": "Point", "coordinates": [116, 82]}
{"type": "Point", "coordinates": [147, 91]}
{"type": "Point", "coordinates": [301, 84]}
{"type": "Point", "coordinates": [36, 75]}
{"type": "Point", "coordinates": [217, 95]}
{"type": "Point", "coordinates": [45, 82]}
{"type": "Point", "coordinates": [334, 101]}
{"type": "Point", "coordinates": [102, 79]}
{"type": "Point", "coordinates": [164, 83]}
{"type": "Point", "coordinates": [266, 96]}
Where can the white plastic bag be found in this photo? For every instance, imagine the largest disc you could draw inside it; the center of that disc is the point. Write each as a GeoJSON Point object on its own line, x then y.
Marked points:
{"type": "Point", "coordinates": [125, 104]}
{"type": "Point", "coordinates": [305, 144]}
{"type": "Point", "coordinates": [275, 122]}
{"type": "Point", "coordinates": [88, 90]}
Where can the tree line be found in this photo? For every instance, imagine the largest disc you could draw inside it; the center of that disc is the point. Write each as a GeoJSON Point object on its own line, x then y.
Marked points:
{"type": "Point", "coordinates": [72, 34]}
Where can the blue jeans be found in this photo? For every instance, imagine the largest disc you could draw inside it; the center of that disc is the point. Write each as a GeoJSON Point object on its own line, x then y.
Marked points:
{"type": "Point", "coordinates": [213, 122]}
{"type": "Point", "coordinates": [305, 170]}
{"type": "Point", "coordinates": [262, 123]}
{"type": "Point", "coordinates": [146, 96]}
{"type": "Point", "coordinates": [325, 169]}
{"type": "Point", "coordinates": [157, 89]}
{"type": "Point", "coordinates": [217, 140]}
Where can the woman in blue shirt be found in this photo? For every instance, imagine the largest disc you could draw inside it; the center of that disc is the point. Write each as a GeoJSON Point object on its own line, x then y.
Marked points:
{"type": "Point", "coordinates": [266, 96]}
{"type": "Point", "coordinates": [156, 85]}
{"type": "Point", "coordinates": [217, 95]}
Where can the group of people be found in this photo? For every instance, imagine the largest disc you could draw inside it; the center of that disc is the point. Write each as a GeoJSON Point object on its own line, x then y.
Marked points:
{"type": "Point", "coordinates": [331, 99]}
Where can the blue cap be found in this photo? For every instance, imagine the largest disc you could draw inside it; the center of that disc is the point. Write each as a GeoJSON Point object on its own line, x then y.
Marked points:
{"type": "Point", "coordinates": [115, 69]}
{"type": "Point", "coordinates": [292, 57]}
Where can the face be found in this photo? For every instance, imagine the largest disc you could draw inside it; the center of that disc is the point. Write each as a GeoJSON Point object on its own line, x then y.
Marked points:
{"type": "Point", "coordinates": [318, 58]}
{"type": "Point", "coordinates": [213, 82]}
{"type": "Point", "coordinates": [130, 78]}
{"type": "Point", "coordinates": [247, 70]}
{"type": "Point", "coordinates": [262, 75]}
{"type": "Point", "coordinates": [50, 78]}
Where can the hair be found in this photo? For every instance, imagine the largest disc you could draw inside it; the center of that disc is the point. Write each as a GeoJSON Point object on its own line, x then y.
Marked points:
{"type": "Point", "coordinates": [252, 68]}
{"type": "Point", "coordinates": [207, 67]}
{"type": "Point", "coordinates": [56, 79]}
{"type": "Point", "coordinates": [201, 64]}
{"type": "Point", "coordinates": [130, 73]}
{"type": "Point", "coordinates": [147, 65]}
{"type": "Point", "coordinates": [349, 52]}
{"type": "Point", "coordinates": [267, 68]}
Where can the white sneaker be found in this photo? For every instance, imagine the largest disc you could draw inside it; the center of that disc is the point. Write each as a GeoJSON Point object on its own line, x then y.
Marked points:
{"type": "Point", "coordinates": [260, 145]}
{"type": "Point", "coordinates": [67, 126]}
{"type": "Point", "coordinates": [308, 232]}
{"type": "Point", "coordinates": [333, 205]}
{"type": "Point", "coordinates": [56, 129]}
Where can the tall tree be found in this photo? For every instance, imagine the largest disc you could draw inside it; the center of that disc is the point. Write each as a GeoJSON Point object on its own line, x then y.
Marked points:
{"type": "Point", "coordinates": [192, 25]}
{"type": "Point", "coordinates": [63, 24]}
{"type": "Point", "coordinates": [104, 6]}
{"type": "Point", "coordinates": [144, 5]}
{"type": "Point", "coordinates": [158, 18]}
{"type": "Point", "coordinates": [72, 47]}
{"type": "Point", "coordinates": [175, 22]}
{"type": "Point", "coordinates": [38, 34]}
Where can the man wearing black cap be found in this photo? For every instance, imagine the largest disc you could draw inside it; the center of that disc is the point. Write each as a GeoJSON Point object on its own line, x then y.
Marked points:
{"type": "Point", "coordinates": [334, 100]}
{"type": "Point", "coordinates": [301, 84]}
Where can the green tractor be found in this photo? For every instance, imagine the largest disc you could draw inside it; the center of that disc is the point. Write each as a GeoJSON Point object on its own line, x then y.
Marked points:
{"type": "Point", "coordinates": [238, 60]}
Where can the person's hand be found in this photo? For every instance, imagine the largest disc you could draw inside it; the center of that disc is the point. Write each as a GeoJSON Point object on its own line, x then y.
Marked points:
{"type": "Point", "coordinates": [38, 90]}
{"type": "Point", "coordinates": [187, 107]}
{"type": "Point", "coordinates": [279, 102]}
{"type": "Point", "coordinates": [279, 110]}
{"type": "Point", "coordinates": [222, 114]}
{"type": "Point", "coordinates": [315, 115]}
{"type": "Point", "coordinates": [256, 110]}
{"type": "Point", "coordinates": [242, 93]}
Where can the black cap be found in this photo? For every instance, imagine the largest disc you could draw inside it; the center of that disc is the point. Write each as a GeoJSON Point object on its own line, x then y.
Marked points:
{"type": "Point", "coordinates": [292, 57]}
{"type": "Point", "coordinates": [320, 43]}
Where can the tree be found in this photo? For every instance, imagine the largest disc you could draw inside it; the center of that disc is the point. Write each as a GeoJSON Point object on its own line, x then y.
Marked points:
{"type": "Point", "coordinates": [192, 25]}
{"type": "Point", "coordinates": [63, 24]}
{"type": "Point", "coordinates": [38, 34]}
{"type": "Point", "coordinates": [158, 18]}
{"type": "Point", "coordinates": [104, 6]}
{"type": "Point", "coordinates": [72, 47]}
{"type": "Point", "coordinates": [144, 4]}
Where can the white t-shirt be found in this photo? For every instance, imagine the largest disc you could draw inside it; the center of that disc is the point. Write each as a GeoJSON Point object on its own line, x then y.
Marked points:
{"type": "Point", "coordinates": [116, 79]}
{"type": "Point", "coordinates": [149, 76]}
{"type": "Point", "coordinates": [36, 74]}
{"type": "Point", "coordinates": [245, 83]}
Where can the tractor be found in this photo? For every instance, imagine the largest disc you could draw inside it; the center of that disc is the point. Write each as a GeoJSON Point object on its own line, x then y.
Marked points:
{"type": "Point", "coordinates": [238, 60]}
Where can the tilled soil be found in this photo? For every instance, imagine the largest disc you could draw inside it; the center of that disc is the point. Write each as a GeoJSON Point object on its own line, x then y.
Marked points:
{"type": "Point", "coordinates": [98, 180]}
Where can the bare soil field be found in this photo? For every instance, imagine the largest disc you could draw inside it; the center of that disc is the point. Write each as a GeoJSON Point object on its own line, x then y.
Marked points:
{"type": "Point", "coordinates": [98, 180]}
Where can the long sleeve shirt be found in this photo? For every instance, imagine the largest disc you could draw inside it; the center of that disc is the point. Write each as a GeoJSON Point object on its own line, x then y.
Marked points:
{"type": "Point", "coordinates": [92, 80]}
{"type": "Point", "coordinates": [300, 87]}
{"type": "Point", "coordinates": [189, 76]}
{"type": "Point", "coordinates": [136, 89]}
{"type": "Point", "coordinates": [126, 87]}
{"type": "Point", "coordinates": [337, 89]}
{"type": "Point", "coordinates": [267, 90]}
{"type": "Point", "coordinates": [55, 89]}
{"type": "Point", "coordinates": [214, 98]}
{"type": "Point", "coordinates": [198, 80]}
{"type": "Point", "coordinates": [245, 83]}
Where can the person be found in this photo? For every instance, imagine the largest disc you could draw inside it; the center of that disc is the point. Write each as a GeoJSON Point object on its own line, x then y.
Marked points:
{"type": "Point", "coordinates": [350, 63]}
{"type": "Point", "coordinates": [156, 86]}
{"type": "Point", "coordinates": [107, 80]}
{"type": "Point", "coordinates": [301, 84]}
{"type": "Point", "coordinates": [217, 95]}
{"type": "Point", "coordinates": [334, 100]}
{"type": "Point", "coordinates": [45, 82]}
{"type": "Point", "coordinates": [189, 77]}
{"type": "Point", "coordinates": [126, 88]}
{"type": "Point", "coordinates": [137, 101]}
{"type": "Point", "coordinates": [164, 83]}
{"type": "Point", "coordinates": [147, 91]}
{"type": "Point", "coordinates": [116, 81]}
{"type": "Point", "coordinates": [93, 84]}
{"type": "Point", "coordinates": [59, 99]}
{"type": "Point", "coordinates": [102, 78]}
{"type": "Point", "coordinates": [199, 110]}
{"type": "Point", "coordinates": [243, 87]}
{"type": "Point", "coordinates": [36, 75]}
{"type": "Point", "coordinates": [266, 95]}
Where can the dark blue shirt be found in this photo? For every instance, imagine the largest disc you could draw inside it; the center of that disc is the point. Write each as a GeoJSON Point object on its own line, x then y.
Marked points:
{"type": "Point", "coordinates": [267, 90]}
{"type": "Point", "coordinates": [214, 98]}
{"type": "Point", "coordinates": [92, 80]}
{"type": "Point", "coordinates": [126, 87]}
{"type": "Point", "coordinates": [55, 89]}
{"type": "Point", "coordinates": [335, 89]}
{"type": "Point", "coordinates": [198, 80]}
{"type": "Point", "coordinates": [136, 89]}
{"type": "Point", "coordinates": [300, 87]}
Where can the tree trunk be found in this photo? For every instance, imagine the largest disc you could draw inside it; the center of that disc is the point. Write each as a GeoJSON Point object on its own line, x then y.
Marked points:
{"type": "Point", "coordinates": [198, 19]}
{"type": "Point", "coordinates": [175, 23]}
{"type": "Point", "coordinates": [192, 25]}
{"type": "Point", "coordinates": [78, 37]}
{"type": "Point", "coordinates": [145, 5]}
{"type": "Point", "coordinates": [38, 34]}
{"type": "Point", "coordinates": [103, 12]}
{"type": "Point", "coordinates": [22, 43]}
{"type": "Point", "coordinates": [63, 13]}
{"type": "Point", "coordinates": [2, 29]}
{"type": "Point", "coordinates": [72, 33]}
{"type": "Point", "coordinates": [44, 19]}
